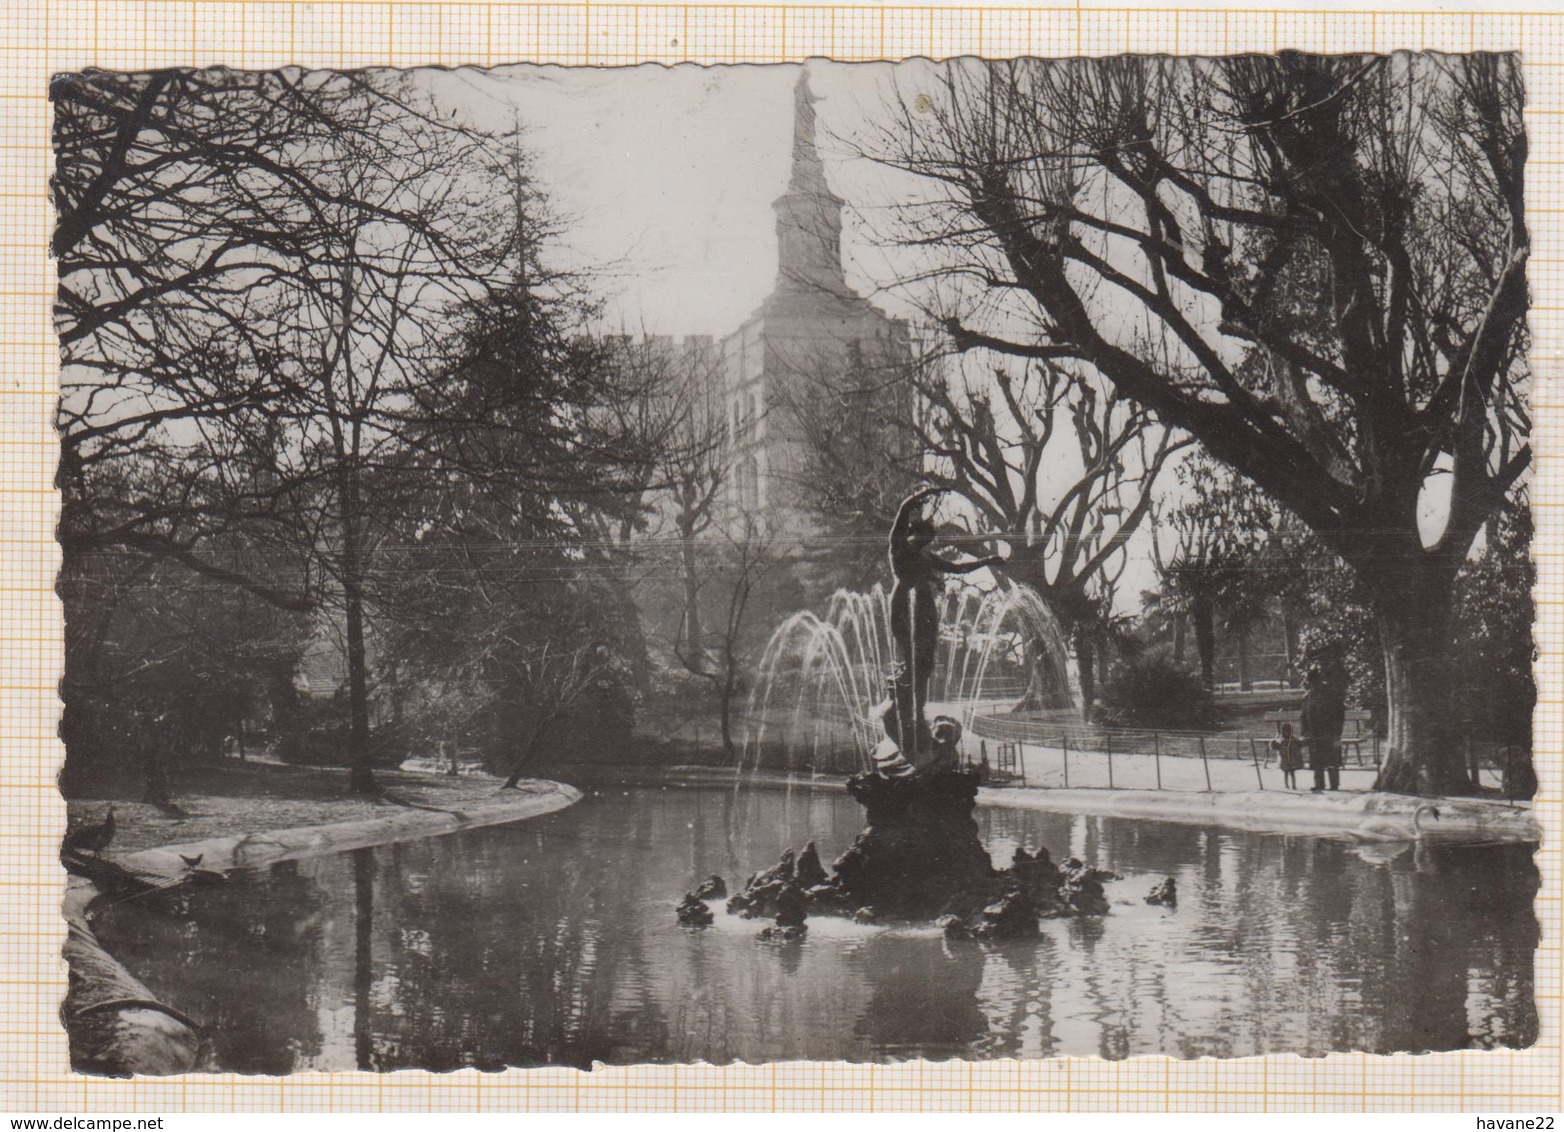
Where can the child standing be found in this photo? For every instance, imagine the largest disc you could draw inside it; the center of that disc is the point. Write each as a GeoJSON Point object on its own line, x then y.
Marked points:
{"type": "Point", "coordinates": [1290, 754]}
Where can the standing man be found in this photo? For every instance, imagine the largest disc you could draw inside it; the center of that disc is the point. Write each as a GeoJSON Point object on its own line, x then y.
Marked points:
{"type": "Point", "coordinates": [1324, 713]}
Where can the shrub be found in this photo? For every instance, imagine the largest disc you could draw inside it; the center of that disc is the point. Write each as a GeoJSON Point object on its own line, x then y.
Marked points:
{"type": "Point", "coordinates": [1152, 690]}
{"type": "Point", "coordinates": [317, 733]}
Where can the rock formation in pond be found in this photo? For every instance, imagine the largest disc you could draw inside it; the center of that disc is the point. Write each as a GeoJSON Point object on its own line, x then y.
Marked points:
{"type": "Point", "coordinates": [1165, 894]}
{"type": "Point", "coordinates": [760, 893]}
{"type": "Point", "coordinates": [1036, 873]}
{"type": "Point", "coordinates": [693, 912]}
{"type": "Point", "coordinates": [808, 870]}
{"type": "Point", "coordinates": [792, 910]}
{"type": "Point", "coordinates": [1011, 916]}
{"type": "Point", "coordinates": [1081, 891]}
{"type": "Point", "coordinates": [919, 855]}
{"type": "Point", "coordinates": [920, 859]}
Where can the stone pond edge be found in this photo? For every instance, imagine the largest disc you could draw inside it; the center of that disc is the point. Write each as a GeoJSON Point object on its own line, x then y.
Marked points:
{"type": "Point", "coordinates": [1362, 816]}
{"type": "Point", "coordinates": [144, 1037]}
{"type": "Point", "coordinates": [1374, 817]}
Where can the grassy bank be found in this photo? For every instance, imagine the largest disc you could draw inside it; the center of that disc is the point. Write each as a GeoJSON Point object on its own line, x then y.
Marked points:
{"type": "Point", "coordinates": [234, 798]}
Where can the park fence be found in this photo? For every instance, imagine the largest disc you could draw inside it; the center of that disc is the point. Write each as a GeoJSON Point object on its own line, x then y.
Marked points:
{"type": "Point", "coordinates": [1032, 751]}
{"type": "Point", "coordinates": [1039, 751]}
{"type": "Point", "coordinates": [1072, 754]}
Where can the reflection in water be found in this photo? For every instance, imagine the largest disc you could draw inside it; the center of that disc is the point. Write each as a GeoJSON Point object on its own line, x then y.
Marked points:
{"type": "Point", "coordinates": [553, 941]}
{"type": "Point", "coordinates": [363, 954]}
{"type": "Point", "coordinates": [923, 995]}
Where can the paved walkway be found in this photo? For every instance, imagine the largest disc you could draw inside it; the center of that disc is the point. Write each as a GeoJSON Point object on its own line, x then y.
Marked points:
{"type": "Point", "coordinates": [1055, 768]}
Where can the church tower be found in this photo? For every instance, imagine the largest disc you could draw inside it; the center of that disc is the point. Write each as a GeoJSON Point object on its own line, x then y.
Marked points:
{"type": "Point", "coordinates": [810, 338]}
{"type": "Point", "coordinates": [809, 214]}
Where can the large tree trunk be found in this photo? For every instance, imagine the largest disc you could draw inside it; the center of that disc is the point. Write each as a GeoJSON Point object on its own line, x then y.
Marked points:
{"type": "Point", "coordinates": [1245, 684]}
{"type": "Point", "coordinates": [524, 756]}
{"type": "Point", "coordinates": [155, 788]}
{"type": "Point", "coordinates": [361, 778]}
{"type": "Point", "coordinates": [1086, 664]}
{"type": "Point", "coordinates": [1178, 638]}
{"type": "Point", "coordinates": [1289, 648]}
{"type": "Point", "coordinates": [729, 686]}
{"type": "Point", "coordinates": [1423, 754]}
{"type": "Point", "coordinates": [1203, 613]}
{"type": "Point", "coordinates": [692, 597]}
{"type": "Point", "coordinates": [1043, 681]}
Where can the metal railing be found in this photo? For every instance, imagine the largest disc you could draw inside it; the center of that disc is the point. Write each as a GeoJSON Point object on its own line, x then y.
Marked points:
{"type": "Point", "coordinates": [1031, 751]}
{"type": "Point", "coordinates": [1127, 740]}
{"type": "Point", "coordinates": [1133, 758]}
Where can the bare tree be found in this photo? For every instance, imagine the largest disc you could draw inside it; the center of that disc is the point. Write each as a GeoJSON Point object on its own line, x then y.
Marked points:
{"type": "Point", "coordinates": [1314, 265]}
{"type": "Point", "coordinates": [747, 555]}
{"type": "Point", "coordinates": [266, 266]}
{"type": "Point", "coordinates": [1206, 549]}
{"type": "Point", "coordinates": [697, 476]}
{"type": "Point", "coordinates": [358, 336]}
{"type": "Point", "coordinates": [1060, 466]}
{"type": "Point", "coordinates": [679, 407]}
{"type": "Point", "coordinates": [554, 679]}
{"type": "Point", "coordinates": [849, 409]}
{"type": "Point", "coordinates": [188, 201]}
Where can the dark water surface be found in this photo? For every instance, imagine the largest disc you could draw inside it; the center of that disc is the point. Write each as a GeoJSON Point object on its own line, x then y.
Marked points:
{"type": "Point", "coordinates": [553, 941]}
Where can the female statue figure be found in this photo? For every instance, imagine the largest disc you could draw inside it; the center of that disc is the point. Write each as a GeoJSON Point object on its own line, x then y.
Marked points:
{"type": "Point", "coordinates": [915, 612]}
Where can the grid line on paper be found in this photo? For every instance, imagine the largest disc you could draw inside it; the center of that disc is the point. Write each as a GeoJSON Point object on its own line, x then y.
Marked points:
{"type": "Point", "coordinates": [42, 38]}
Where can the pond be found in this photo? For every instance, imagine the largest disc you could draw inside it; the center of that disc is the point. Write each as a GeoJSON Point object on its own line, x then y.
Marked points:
{"type": "Point", "coordinates": [553, 941]}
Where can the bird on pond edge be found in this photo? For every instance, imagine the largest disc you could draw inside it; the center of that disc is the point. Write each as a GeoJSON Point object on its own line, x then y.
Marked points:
{"type": "Point", "coordinates": [91, 838]}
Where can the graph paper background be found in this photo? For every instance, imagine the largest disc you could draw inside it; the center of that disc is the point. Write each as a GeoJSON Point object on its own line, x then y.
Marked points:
{"type": "Point", "coordinates": [38, 39]}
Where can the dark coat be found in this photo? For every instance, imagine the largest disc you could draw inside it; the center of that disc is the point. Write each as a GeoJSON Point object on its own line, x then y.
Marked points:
{"type": "Point", "coordinates": [1324, 715]}
{"type": "Point", "coordinates": [1289, 752]}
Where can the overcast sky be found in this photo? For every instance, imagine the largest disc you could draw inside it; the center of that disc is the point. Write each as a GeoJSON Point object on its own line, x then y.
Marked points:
{"type": "Point", "coordinates": [665, 176]}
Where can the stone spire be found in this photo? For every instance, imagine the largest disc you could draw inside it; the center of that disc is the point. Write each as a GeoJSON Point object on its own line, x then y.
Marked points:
{"type": "Point", "coordinates": [809, 215]}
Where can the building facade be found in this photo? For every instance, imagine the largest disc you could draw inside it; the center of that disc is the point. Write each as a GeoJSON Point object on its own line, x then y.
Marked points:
{"type": "Point", "coordinates": [809, 342]}
{"type": "Point", "coordinates": [812, 374]}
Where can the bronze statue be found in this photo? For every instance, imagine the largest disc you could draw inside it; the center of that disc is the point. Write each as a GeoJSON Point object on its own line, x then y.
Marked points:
{"type": "Point", "coordinates": [918, 571]}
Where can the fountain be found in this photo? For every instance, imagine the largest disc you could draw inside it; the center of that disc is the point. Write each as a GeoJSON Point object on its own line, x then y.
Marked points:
{"type": "Point", "coordinates": [1010, 622]}
{"type": "Point", "coordinates": [919, 856]}
{"type": "Point", "coordinates": [821, 675]}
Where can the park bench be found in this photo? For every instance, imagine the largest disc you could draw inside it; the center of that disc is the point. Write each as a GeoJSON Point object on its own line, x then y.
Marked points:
{"type": "Point", "coordinates": [1357, 729]}
{"type": "Point", "coordinates": [1006, 765]}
